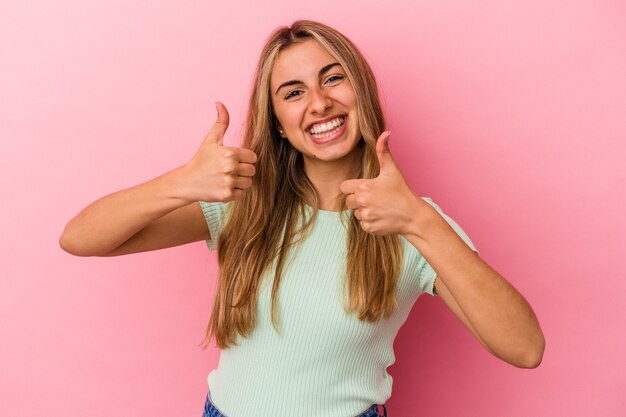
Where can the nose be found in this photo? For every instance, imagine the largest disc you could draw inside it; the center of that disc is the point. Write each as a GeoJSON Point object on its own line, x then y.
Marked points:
{"type": "Point", "coordinates": [320, 102]}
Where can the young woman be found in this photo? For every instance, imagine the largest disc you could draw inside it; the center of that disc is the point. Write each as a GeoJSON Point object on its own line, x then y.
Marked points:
{"type": "Point", "coordinates": [322, 246]}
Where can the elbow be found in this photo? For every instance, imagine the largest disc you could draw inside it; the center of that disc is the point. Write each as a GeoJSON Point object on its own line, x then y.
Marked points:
{"type": "Point", "coordinates": [532, 361]}
{"type": "Point", "coordinates": [66, 244]}
{"type": "Point", "coordinates": [524, 354]}
{"type": "Point", "coordinates": [70, 245]}
{"type": "Point", "coordinates": [533, 355]}
{"type": "Point", "coordinates": [75, 244]}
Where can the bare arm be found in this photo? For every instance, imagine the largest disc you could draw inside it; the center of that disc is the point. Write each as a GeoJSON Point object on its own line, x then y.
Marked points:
{"type": "Point", "coordinates": [491, 308]}
{"type": "Point", "coordinates": [163, 212]}
{"type": "Point", "coordinates": [142, 218]}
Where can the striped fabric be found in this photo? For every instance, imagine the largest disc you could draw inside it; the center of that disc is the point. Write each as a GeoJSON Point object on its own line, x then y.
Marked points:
{"type": "Point", "coordinates": [322, 362]}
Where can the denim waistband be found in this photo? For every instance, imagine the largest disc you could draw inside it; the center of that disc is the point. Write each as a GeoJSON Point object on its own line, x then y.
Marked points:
{"type": "Point", "coordinates": [377, 410]}
{"type": "Point", "coordinates": [210, 410]}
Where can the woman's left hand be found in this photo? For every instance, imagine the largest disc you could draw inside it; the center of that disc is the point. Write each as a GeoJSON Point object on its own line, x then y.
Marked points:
{"type": "Point", "coordinates": [385, 204]}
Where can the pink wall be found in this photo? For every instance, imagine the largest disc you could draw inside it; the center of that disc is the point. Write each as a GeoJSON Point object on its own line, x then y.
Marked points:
{"type": "Point", "coordinates": [511, 116]}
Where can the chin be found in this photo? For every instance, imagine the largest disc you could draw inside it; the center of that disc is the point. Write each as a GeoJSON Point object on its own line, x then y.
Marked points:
{"type": "Point", "coordinates": [332, 155]}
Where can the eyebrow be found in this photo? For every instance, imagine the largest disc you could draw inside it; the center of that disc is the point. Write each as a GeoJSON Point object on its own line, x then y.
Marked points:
{"type": "Point", "coordinates": [323, 71]}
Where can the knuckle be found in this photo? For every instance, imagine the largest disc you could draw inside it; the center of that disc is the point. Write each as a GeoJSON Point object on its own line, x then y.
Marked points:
{"type": "Point", "coordinates": [229, 167]}
{"type": "Point", "coordinates": [246, 170]}
{"type": "Point", "coordinates": [227, 194]}
{"type": "Point", "coordinates": [229, 181]}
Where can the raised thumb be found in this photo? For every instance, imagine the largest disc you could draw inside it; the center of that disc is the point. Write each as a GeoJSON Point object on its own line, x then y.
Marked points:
{"type": "Point", "coordinates": [382, 151]}
{"type": "Point", "coordinates": [216, 134]}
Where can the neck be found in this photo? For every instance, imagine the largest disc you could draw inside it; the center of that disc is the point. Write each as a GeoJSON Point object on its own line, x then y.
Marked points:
{"type": "Point", "coordinates": [327, 176]}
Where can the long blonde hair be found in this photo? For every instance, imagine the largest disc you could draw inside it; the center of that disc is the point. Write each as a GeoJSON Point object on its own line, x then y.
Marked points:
{"type": "Point", "coordinates": [272, 217]}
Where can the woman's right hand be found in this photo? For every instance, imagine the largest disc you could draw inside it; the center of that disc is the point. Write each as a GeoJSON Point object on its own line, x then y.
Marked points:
{"type": "Point", "coordinates": [164, 212]}
{"type": "Point", "coordinates": [217, 173]}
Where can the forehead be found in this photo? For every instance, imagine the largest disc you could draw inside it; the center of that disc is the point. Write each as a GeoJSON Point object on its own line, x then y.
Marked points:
{"type": "Point", "coordinates": [300, 61]}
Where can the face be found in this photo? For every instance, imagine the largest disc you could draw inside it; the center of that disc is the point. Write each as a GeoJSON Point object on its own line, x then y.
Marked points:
{"type": "Point", "coordinates": [315, 104]}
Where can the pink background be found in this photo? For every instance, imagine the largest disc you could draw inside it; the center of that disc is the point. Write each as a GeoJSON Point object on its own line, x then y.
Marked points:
{"type": "Point", "coordinates": [510, 115]}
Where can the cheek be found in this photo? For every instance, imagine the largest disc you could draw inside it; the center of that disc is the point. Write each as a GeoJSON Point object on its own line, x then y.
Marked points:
{"type": "Point", "coordinates": [347, 95]}
{"type": "Point", "coordinates": [290, 118]}
{"type": "Point", "coordinates": [281, 112]}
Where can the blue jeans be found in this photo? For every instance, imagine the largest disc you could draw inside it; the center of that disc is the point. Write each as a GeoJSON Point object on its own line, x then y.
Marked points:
{"type": "Point", "coordinates": [210, 410]}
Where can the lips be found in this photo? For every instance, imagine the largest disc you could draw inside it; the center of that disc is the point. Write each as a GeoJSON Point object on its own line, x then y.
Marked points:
{"type": "Point", "coordinates": [327, 130]}
{"type": "Point", "coordinates": [325, 125]}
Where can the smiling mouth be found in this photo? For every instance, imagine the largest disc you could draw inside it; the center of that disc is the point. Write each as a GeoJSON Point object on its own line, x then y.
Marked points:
{"type": "Point", "coordinates": [325, 130]}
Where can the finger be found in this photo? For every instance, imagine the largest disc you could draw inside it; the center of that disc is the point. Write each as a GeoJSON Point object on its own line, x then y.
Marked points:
{"type": "Point", "coordinates": [216, 134]}
{"type": "Point", "coordinates": [243, 182]}
{"type": "Point", "coordinates": [351, 202]}
{"type": "Point", "coordinates": [246, 170]}
{"type": "Point", "coordinates": [383, 153]}
{"type": "Point", "coordinates": [245, 155]}
{"type": "Point", "coordinates": [367, 227]}
{"type": "Point", "coordinates": [349, 186]}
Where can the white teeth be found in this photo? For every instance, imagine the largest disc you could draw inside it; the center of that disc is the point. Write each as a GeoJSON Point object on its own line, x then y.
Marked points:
{"type": "Point", "coordinates": [318, 129]}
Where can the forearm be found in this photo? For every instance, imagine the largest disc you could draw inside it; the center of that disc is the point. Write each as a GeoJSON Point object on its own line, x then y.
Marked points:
{"type": "Point", "coordinates": [498, 313]}
{"type": "Point", "coordinates": [112, 220]}
{"type": "Point", "coordinates": [159, 213]}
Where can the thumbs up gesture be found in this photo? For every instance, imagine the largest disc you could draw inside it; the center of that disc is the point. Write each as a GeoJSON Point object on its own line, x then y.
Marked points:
{"type": "Point", "coordinates": [385, 204]}
{"type": "Point", "coordinates": [217, 172]}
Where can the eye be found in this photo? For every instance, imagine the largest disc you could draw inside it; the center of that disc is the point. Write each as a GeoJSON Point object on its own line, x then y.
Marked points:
{"type": "Point", "coordinates": [334, 78]}
{"type": "Point", "coordinates": [293, 93]}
